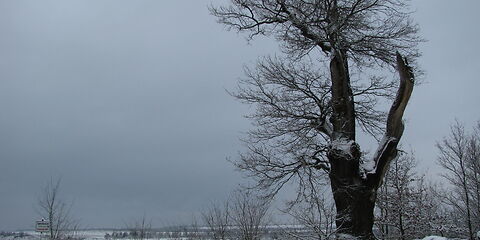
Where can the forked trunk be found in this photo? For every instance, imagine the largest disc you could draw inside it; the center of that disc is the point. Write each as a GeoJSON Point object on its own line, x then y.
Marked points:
{"type": "Point", "coordinates": [354, 187]}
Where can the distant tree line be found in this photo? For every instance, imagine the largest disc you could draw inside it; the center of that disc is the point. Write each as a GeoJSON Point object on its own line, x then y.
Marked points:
{"type": "Point", "coordinates": [14, 234]}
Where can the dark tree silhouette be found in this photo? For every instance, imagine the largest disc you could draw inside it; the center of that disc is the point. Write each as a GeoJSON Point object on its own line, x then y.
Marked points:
{"type": "Point", "coordinates": [309, 103]}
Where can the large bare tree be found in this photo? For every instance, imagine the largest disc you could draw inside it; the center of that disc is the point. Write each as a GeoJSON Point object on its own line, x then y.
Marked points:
{"type": "Point", "coordinates": [311, 100]}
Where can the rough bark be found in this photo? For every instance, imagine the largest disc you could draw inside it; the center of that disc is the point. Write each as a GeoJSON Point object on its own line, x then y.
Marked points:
{"type": "Point", "coordinates": [354, 201]}
{"type": "Point", "coordinates": [354, 193]}
{"type": "Point", "coordinates": [343, 117]}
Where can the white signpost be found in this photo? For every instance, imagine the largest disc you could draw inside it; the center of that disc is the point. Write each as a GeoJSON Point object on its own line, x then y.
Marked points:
{"type": "Point", "coordinates": [42, 226]}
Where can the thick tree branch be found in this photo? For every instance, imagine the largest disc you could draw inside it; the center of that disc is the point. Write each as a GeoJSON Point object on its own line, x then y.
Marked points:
{"type": "Point", "coordinates": [343, 117]}
{"type": "Point", "coordinates": [387, 150]}
{"type": "Point", "coordinates": [304, 29]}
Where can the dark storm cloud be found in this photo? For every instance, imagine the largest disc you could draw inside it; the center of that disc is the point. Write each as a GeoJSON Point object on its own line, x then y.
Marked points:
{"type": "Point", "coordinates": [125, 101]}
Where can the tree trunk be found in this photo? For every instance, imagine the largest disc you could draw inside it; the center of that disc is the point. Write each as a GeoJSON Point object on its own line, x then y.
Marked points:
{"type": "Point", "coordinates": [354, 200]}
{"type": "Point", "coordinates": [355, 192]}
{"type": "Point", "coordinates": [400, 223]}
{"type": "Point", "coordinates": [467, 203]}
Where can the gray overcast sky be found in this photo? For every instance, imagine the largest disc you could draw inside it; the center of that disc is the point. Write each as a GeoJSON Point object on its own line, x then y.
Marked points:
{"type": "Point", "coordinates": [125, 101]}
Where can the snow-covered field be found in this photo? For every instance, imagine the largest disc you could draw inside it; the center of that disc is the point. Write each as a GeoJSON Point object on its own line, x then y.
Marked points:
{"type": "Point", "coordinates": [83, 234]}
{"type": "Point", "coordinates": [100, 235]}
{"type": "Point", "coordinates": [434, 238]}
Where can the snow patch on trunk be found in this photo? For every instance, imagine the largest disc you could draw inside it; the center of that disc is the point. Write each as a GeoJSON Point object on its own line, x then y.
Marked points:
{"type": "Point", "coordinates": [342, 236]}
{"type": "Point", "coordinates": [434, 238]}
{"type": "Point", "coordinates": [370, 166]}
{"type": "Point", "coordinates": [343, 146]}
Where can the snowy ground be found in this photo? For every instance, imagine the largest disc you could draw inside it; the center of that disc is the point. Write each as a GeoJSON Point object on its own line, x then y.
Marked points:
{"type": "Point", "coordinates": [84, 234]}
{"type": "Point", "coordinates": [434, 238]}
{"type": "Point", "coordinates": [100, 235]}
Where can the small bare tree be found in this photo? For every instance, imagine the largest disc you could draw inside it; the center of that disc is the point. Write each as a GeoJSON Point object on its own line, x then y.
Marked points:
{"type": "Point", "coordinates": [249, 214]}
{"type": "Point", "coordinates": [473, 176]}
{"type": "Point", "coordinates": [316, 216]}
{"type": "Point", "coordinates": [217, 219]}
{"type": "Point", "coordinates": [459, 156]}
{"type": "Point", "coordinates": [406, 210]}
{"type": "Point", "coordinates": [194, 231]}
{"type": "Point", "coordinates": [140, 229]}
{"type": "Point", "coordinates": [52, 208]}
